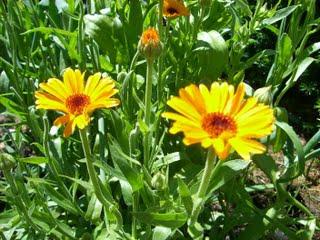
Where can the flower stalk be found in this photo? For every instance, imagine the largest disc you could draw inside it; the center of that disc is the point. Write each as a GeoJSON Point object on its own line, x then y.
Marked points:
{"type": "Point", "coordinates": [210, 167]}
{"type": "Point", "coordinates": [95, 180]}
{"type": "Point", "coordinates": [148, 104]}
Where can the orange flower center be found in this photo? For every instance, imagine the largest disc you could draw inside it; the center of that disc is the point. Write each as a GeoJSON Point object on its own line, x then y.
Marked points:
{"type": "Point", "coordinates": [172, 11]}
{"type": "Point", "coordinates": [217, 124]}
{"type": "Point", "coordinates": [77, 102]}
{"type": "Point", "coordinates": [150, 36]}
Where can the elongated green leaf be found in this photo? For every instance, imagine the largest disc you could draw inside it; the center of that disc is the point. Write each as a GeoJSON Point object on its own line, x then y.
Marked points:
{"type": "Point", "coordinates": [185, 195]}
{"type": "Point", "coordinates": [12, 107]}
{"type": "Point", "coordinates": [279, 15]}
{"type": "Point", "coordinates": [131, 174]}
{"type": "Point", "coordinates": [168, 159]}
{"type": "Point", "coordinates": [170, 219]}
{"type": "Point", "coordinates": [297, 166]}
{"type": "Point", "coordinates": [281, 136]}
{"type": "Point", "coordinates": [82, 183]}
{"type": "Point", "coordinates": [302, 67]}
{"type": "Point", "coordinates": [51, 30]}
{"type": "Point", "coordinates": [135, 21]}
{"type": "Point", "coordinates": [34, 160]}
{"type": "Point", "coordinates": [60, 199]}
{"type": "Point", "coordinates": [94, 209]}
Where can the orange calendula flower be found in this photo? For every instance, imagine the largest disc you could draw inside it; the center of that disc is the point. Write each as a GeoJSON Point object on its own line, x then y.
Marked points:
{"type": "Point", "coordinates": [150, 44]}
{"type": "Point", "coordinates": [174, 8]}
{"type": "Point", "coordinates": [221, 118]}
{"type": "Point", "coordinates": [75, 99]}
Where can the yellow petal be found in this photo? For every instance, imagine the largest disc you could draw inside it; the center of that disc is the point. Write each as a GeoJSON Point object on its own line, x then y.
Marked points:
{"type": "Point", "coordinates": [184, 108]}
{"type": "Point", "coordinates": [237, 99]}
{"type": "Point", "coordinates": [92, 83]}
{"type": "Point", "coordinates": [82, 121]}
{"type": "Point", "coordinates": [70, 80]}
{"type": "Point", "coordinates": [180, 118]}
{"type": "Point", "coordinates": [245, 146]}
{"type": "Point", "coordinates": [105, 84]}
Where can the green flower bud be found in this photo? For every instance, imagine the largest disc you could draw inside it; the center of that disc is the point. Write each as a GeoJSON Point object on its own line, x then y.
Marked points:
{"type": "Point", "coordinates": [264, 95]}
{"type": "Point", "coordinates": [158, 181]}
{"type": "Point", "coordinates": [7, 162]}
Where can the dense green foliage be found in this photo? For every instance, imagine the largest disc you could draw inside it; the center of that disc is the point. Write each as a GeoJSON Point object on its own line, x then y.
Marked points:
{"type": "Point", "coordinates": [45, 191]}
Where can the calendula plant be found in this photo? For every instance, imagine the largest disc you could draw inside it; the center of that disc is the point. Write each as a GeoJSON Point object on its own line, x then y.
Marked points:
{"type": "Point", "coordinates": [164, 119]}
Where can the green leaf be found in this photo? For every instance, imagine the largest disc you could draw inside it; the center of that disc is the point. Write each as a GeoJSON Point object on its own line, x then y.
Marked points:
{"type": "Point", "coordinates": [12, 107]}
{"type": "Point", "coordinates": [94, 209]}
{"type": "Point", "coordinates": [82, 183]}
{"type": "Point", "coordinates": [267, 165]}
{"type": "Point", "coordinates": [281, 136]}
{"type": "Point", "coordinates": [213, 54]}
{"type": "Point", "coordinates": [99, 27]}
{"type": "Point", "coordinates": [51, 30]}
{"type": "Point", "coordinates": [60, 199]}
{"type": "Point", "coordinates": [34, 160]}
{"type": "Point", "coordinates": [185, 195]}
{"type": "Point", "coordinates": [166, 160]}
{"type": "Point", "coordinates": [258, 225]}
{"type": "Point", "coordinates": [170, 219]}
{"type": "Point", "coordinates": [161, 233]}
{"type": "Point", "coordinates": [130, 173]}
{"type": "Point", "coordinates": [302, 67]}
{"type": "Point", "coordinates": [135, 21]}
{"type": "Point", "coordinates": [279, 15]}
{"type": "Point", "coordinates": [296, 167]}
{"type": "Point", "coordinates": [4, 82]}
{"type": "Point", "coordinates": [227, 171]}
{"type": "Point", "coordinates": [284, 49]}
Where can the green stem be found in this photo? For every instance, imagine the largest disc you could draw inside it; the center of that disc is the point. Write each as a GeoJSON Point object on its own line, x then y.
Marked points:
{"type": "Point", "coordinates": [161, 57]}
{"type": "Point", "coordinates": [209, 168]}
{"type": "Point", "coordinates": [95, 180]}
{"type": "Point", "coordinates": [135, 204]}
{"type": "Point", "coordinates": [134, 61]}
{"type": "Point", "coordinates": [148, 95]}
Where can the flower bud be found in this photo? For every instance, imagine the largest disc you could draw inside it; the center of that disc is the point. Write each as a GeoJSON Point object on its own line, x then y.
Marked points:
{"type": "Point", "coordinates": [158, 181]}
{"type": "Point", "coordinates": [7, 162]}
{"type": "Point", "coordinates": [149, 44]}
{"type": "Point", "coordinates": [264, 95]}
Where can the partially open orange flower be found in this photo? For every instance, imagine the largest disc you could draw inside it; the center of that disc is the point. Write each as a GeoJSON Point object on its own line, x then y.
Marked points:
{"type": "Point", "coordinates": [150, 44]}
{"type": "Point", "coordinates": [150, 36]}
{"type": "Point", "coordinates": [75, 99]}
{"type": "Point", "coordinates": [174, 8]}
{"type": "Point", "coordinates": [221, 118]}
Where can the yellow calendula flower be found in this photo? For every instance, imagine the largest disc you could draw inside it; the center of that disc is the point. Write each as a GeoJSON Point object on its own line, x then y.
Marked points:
{"type": "Point", "coordinates": [174, 8]}
{"type": "Point", "coordinates": [75, 99]}
{"type": "Point", "coordinates": [221, 118]}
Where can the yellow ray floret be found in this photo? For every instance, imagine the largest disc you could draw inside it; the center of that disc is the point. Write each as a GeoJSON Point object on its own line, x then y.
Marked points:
{"type": "Point", "coordinates": [220, 118]}
{"type": "Point", "coordinates": [75, 99]}
{"type": "Point", "coordinates": [174, 8]}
